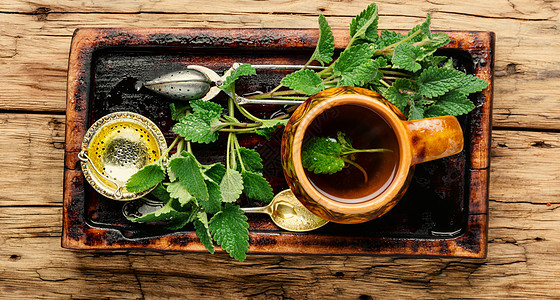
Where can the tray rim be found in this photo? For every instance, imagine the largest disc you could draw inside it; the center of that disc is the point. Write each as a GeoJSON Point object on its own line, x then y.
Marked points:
{"type": "Point", "coordinates": [79, 234]}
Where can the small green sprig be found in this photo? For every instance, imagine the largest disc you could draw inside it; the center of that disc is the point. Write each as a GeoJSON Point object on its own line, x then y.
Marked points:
{"type": "Point", "coordinates": [327, 155]}
{"type": "Point", "coordinates": [401, 67]}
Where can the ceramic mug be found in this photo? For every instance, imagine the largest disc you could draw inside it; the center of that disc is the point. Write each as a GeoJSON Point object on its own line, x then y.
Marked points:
{"type": "Point", "coordinates": [368, 119]}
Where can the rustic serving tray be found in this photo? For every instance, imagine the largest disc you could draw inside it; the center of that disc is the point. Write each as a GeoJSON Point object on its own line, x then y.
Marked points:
{"type": "Point", "coordinates": [444, 212]}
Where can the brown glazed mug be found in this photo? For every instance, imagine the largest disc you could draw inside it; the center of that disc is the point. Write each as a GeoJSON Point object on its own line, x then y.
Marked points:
{"type": "Point", "coordinates": [368, 119]}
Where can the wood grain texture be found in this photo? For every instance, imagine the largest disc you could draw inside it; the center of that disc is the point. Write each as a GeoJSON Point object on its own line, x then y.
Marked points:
{"type": "Point", "coordinates": [524, 242]}
{"type": "Point", "coordinates": [527, 64]}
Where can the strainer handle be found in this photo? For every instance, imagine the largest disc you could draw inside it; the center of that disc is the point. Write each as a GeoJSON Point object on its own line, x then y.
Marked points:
{"type": "Point", "coordinates": [82, 156]}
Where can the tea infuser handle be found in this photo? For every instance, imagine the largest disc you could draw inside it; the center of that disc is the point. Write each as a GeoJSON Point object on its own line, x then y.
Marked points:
{"type": "Point", "coordinates": [82, 156]}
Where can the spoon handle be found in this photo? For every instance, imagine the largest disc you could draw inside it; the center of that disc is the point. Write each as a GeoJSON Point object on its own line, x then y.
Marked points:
{"type": "Point", "coordinates": [256, 210]}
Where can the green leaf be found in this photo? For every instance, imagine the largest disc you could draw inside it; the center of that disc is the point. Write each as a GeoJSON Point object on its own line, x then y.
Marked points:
{"type": "Point", "coordinates": [439, 39]}
{"type": "Point", "coordinates": [179, 191]}
{"type": "Point", "coordinates": [178, 110]}
{"type": "Point", "coordinates": [147, 177]}
{"type": "Point", "coordinates": [231, 186]}
{"type": "Point", "coordinates": [202, 231]}
{"type": "Point", "coordinates": [448, 64]}
{"type": "Point", "coordinates": [405, 56]}
{"type": "Point", "coordinates": [424, 28]}
{"type": "Point", "coordinates": [215, 171]}
{"type": "Point", "coordinates": [243, 70]}
{"type": "Point", "coordinates": [388, 38]}
{"type": "Point", "coordinates": [415, 112]}
{"type": "Point", "coordinates": [435, 111]}
{"type": "Point", "coordinates": [165, 213]}
{"type": "Point", "coordinates": [213, 204]}
{"type": "Point", "coordinates": [455, 103]}
{"type": "Point", "coordinates": [321, 156]}
{"type": "Point", "coordinates": [229, 228]}
{"type": "Point", "coordinates": [345, 141]}
{"type": "Point", "coordinates": [361, 75]}
{"type": "Point", "coordinates": [364, 26]}
{"type": "Point", "coordinates": [206, 107]}
{"type": "Point", "coordinates": [433, 61]}
{"type": "Point", "coordinates": [188, 171]}
{"type": "Point", "coordinates": [161, 193]}
{"type": "Point", "coordinates": [397, 94]}
{"type": "Point", "coordinates": [256, 187]}
{"type": "Point", "coordinates": [306, 81]}
{"type": "Point", "coordinates": [471, 84]}
{"type": "Point", "coordinates": [434, 82]}
{"type": "Point", "coordinates": [325, 45]}
{"type": "Point", "coordinates": [269, 126]}
{"type": "Point", "coordinates": [351, 58]}
{"type": "Point", "coordinates": [199, 127]}
{"type": "Point", "coordinates": [252, 160]}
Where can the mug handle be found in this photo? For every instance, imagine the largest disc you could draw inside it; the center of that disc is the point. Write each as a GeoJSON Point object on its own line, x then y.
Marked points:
{"type": "Point", "coordinates": [434, 138]}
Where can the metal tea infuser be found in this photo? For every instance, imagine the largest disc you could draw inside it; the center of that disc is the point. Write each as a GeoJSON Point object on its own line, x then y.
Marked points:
{"type": "Point", "coordinates": [117, 146]}
{"type": "Point", "coordinates": [198, 82]}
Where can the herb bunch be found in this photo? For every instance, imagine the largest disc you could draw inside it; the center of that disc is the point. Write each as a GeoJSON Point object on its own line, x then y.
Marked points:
{"type": "Point", "coordinates": [401, 67]}
{"type": "Point", "coordinates": [206, 195]}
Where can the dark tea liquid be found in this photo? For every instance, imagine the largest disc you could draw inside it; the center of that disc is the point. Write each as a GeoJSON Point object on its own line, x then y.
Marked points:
{"type": "Point", "coordinates": [368, 130]}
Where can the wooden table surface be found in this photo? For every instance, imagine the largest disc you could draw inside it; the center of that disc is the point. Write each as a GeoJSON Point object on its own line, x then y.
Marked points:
{"type": "Point", "coordinates": [524, 237]}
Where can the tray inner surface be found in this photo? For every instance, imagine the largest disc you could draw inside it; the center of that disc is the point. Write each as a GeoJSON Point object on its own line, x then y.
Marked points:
{"type": "Point", "coordinates": [435, 203]}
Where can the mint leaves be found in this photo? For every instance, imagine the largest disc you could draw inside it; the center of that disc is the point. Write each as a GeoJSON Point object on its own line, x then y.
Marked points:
{"type": "Point", "coordinates": [229, 228]}
{"type": "Point", "coordinates": [146, 178]}
{"type": "Point", "coordinates": [328, 155]}
{"type": "Point", "coordinates": [306, 81]}
{"type": "Point", "coordinates": [401, 67]}
{"type": "Point", "coordinates": [325, 45]}
{"type": "Point", "coordinates": [206, 195]}
{"type": "Point", "coordinates": [322, 156]}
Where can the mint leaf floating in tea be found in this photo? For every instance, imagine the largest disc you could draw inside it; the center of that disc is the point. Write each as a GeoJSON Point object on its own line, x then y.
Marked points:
{"type": "Point", "coordinates": [327, 155]}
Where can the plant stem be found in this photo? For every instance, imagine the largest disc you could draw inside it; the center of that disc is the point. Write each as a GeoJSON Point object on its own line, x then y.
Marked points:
{"type": "Point", "coordinates": [237, 130]}
{"type": "Point", "coordinates": [357, 166]}
{"type": "Point", "coordinates": [170, 147]}
{"type": "Point", "coordinates": [384, 83]}
{"type": "Point", "coordinates": [246, 113]}
{"type": "Point", "coordinates": [236, 147]}
{"type": "Point", "coordinates": [189, 149]}
{"type": "Point", "coordinates": [382, 51]}
{"type": "Point", "coordinates": [394, 73]}
{"type": "Point", "coordinates": [243, 125]}
{"type": "Point", "coordinates": [366, 151]}
{"type": "Point", "coordinates": [228, 147]}
{"type": "Point", "coordinates": [275, 94]}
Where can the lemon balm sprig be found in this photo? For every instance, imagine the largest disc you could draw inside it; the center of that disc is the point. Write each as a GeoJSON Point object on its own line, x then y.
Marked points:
{"type": "Point", "coordinates": [328, 155]}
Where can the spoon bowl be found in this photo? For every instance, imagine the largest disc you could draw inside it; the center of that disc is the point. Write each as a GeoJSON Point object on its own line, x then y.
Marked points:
{"type": "Point", "coordinates": [288, 213]}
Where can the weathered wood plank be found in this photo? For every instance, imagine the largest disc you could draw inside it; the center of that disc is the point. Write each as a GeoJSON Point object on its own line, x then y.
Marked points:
{"type": "Point", "coordinates": [520, 263]}
{"type": "Point", "coordinates": [527, 66]}
{"type": "Point", "coordinates": [535, 10]}
{"type": "Point", "coordinates": [32, 159]}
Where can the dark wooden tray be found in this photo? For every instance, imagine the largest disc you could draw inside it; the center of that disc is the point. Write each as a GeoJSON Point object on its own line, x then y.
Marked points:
{"type": "Point", "coordinates": [444, 212]}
